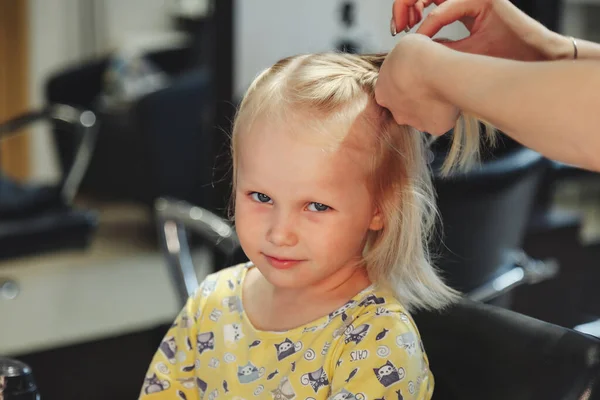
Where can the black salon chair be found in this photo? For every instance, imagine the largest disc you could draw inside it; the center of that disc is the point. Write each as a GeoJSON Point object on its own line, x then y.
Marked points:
{"type": "Point", "coordinates": [485, 213]}
{"type": "Point", "coordinates": [479, 351]}
{"type": "Point", "coordinates": [42, 218]}
{"type": "Point", "coordinates": [182, 145]}
{"type": "Point", "coordinates": [121, 169]}
{"type": "Point", "coordinates": [476, 351]}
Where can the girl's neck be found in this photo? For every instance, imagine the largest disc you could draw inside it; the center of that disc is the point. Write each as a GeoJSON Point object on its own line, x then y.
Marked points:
{"type": "Point", "coordinates": [273, 309]}
{"type": "Point", "coordinates": [342, 286]}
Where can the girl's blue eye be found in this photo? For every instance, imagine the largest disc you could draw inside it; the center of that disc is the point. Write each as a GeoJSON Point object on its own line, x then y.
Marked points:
{"type": "Point", "coordinates": [260, 197]}
{"type": "Point", "coordinates": [319, 207]}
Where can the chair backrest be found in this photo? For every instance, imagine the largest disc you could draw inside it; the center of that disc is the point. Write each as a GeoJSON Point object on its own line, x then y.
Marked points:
{"type": "Point", "coordinates": [484, 215]}
{"type": "Point", "coordinates": [478, 351]}
{"type": "Point", "coordinates": [117, 169]}
{"type": "Point", "coordinates": [183, 146]}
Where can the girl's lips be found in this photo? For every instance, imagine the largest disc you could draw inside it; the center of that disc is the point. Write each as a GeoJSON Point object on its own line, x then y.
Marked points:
{"type": "Point", "coordinates": [281, 263]}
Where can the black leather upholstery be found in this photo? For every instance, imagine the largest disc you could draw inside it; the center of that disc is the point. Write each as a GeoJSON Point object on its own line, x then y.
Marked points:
{"type": "Point", "coordinates": [485, 213]}
{"type": "Point", "coordinates": [478, 351]}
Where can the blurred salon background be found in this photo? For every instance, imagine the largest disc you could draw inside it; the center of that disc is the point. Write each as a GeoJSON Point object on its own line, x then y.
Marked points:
{"type": "Point", "coordinates": [114, 177]}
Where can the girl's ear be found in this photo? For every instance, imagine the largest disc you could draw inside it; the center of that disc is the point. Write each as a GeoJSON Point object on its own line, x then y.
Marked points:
{"type": "Point", "coordinates": [376, 221]}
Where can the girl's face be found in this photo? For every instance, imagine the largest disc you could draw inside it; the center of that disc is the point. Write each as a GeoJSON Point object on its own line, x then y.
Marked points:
{"type": "Point", "coordinates": [302, 213]}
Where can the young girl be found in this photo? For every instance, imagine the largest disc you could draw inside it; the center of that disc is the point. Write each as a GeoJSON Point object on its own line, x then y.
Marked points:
{"type": "Point", "coordinates": [333, 205]}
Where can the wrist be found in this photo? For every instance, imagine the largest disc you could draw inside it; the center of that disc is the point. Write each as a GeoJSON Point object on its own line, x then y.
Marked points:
{"type": "Point", "coordinates": [558, 47]}
{"type": "Point", "coordinates": [439, 71]}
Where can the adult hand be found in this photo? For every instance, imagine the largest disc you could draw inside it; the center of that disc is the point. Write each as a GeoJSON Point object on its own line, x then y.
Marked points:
{"type": "Point", "coordinates": [404, 88]}
{"type": "Point", "coordinates": [497, 28]}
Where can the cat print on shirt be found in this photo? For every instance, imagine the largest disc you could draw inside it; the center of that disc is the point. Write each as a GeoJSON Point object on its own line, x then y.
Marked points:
{"type": "Point", "coordinates": [316, 379]}
{"type": "Point", "coordinates": [371, 299]}
{"type": "Point", "coordinates": [388, 374]}
{"type": "Point", "coordinates": [342, 310]}
{"type": "Point", "coordinates": [345, 324]}
{"type": "Point", "coordinates": [284, 391]}
{"type": "Point", "coordinates": [232, 333]}
{"type": "Point", "coordinates": [213, 395]}
{"type": "Point", "coordinates": [249, 373]}
{"type": "Point", "coordinates": [407, 341]}
{"type": "Point", "coordinates": [188, 383]}
{"type": "Point", "coordinates": [169, 348]}
{"type": "Point", "coordinates": [208, 287]}
{"type": "Point", "coordinates": [344, 395]}
{"type": "Point", "coordinates": [154, 385]}
{"type": "Point", "coordinates": [233, 304]}
{"type": "Point", "coordinates": [357, 334]}
{"type": "Point", "coordinates": [206, 341]}
{"type": "Point", "coordinates": [287, 348]}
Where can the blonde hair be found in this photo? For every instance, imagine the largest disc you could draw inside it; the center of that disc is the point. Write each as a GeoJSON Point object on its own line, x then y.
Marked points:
{"type": "Point", "coordinates": [338, 87]}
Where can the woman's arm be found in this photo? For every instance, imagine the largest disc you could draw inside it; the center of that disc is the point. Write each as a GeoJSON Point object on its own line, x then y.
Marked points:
{"type": "Point", "coordinates": [587, 50]}
{"type": "Point", "coordinates": [552, 107]}
{"type": "Point", "coordinates": [506, 72]}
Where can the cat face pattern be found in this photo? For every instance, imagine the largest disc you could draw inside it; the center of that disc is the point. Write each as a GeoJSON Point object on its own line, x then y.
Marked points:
{"type": "Point", "coordinates": [316, 379]}
{"type": "Point", "coordinates": [205, 341]}
{"type": "Point", "coordinates": [287, 348]}
{"type": "Point", "coordinates": [232, 333]}
{"type": "Point", "coordinates": [249, 373]}
{"type": "Point", "coordinates": [388, 374]}
{"type": "Point", "coordinates": [233, 304]}
{"type": "Point", "coordinates": [154, 385]}
{"type": "Point", "coordinates": [407, 341]}
{"type": "Point", "coordinates": [169, 348]}
{"type": "Point", "coordinates": [357, 334]}
{"type": "Point", "coordinates": [284, 391]}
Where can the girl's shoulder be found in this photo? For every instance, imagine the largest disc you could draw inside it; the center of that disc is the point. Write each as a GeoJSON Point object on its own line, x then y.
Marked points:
{"type": "Point", "coordinates": [379, 352]}
{"type": "Point", "coordinates": [376, 303]}
{"type": "Point", "coordinates": [223, 283]}
{"type": "Point", "coordinates": [379, 312]}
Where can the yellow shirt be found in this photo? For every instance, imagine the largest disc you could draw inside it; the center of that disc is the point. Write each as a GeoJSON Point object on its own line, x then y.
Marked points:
{"type": "Point", "coordinates": [368, 349]}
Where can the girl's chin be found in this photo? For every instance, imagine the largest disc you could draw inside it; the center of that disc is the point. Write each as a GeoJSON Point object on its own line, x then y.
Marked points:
{"type": "Point", "coordinates": [287, 278]}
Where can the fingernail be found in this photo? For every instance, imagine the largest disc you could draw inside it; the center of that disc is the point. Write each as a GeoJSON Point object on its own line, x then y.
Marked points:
{"type": "Point", "coordinates": [393, 27]}
{"type": "Point", "coordinates": [407, 29]}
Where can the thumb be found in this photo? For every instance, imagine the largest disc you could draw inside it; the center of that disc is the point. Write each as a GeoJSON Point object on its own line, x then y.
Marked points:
{"type": "Point", "coordinates": [445, 14]}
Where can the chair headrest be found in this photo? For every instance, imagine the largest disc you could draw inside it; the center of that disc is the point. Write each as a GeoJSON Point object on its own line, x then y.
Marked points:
{"type": "Point", "coordinates": [514, 163]}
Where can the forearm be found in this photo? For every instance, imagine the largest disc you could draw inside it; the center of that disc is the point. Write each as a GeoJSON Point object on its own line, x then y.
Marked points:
{"type": "Point", "coordinates": [558, 47]}
{"type": "Point", "coordinates": [587, 50]}
{"type": "Point", "coordinates": [551, 107]}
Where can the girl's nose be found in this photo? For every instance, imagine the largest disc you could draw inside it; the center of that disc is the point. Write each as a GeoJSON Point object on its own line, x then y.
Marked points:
{"type": "Point", "coordinates": [281, 230]}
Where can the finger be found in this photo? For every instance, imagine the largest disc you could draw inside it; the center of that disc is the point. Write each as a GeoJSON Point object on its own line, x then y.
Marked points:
{"type": "Point", "coordinates": [419, 7]}
{"type": "Point", "coordinates": [427, 3]}
{"type": "Point", "coordinates": [400, 13]}
{"type": "Point", "coordinates": [446, 13]}
{"type": "Point", "coordinates": [412, 17]}
{"type": "Point", "coordinates": [442, 40]}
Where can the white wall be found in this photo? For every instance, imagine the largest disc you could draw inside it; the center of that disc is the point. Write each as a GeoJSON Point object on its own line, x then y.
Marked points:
{"type": "Point", "coordinates": [60, 37]}
{"type": "Point", "coordinates": [53, 44]}
{"type": "Point", "coordinates": [267, 30]}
